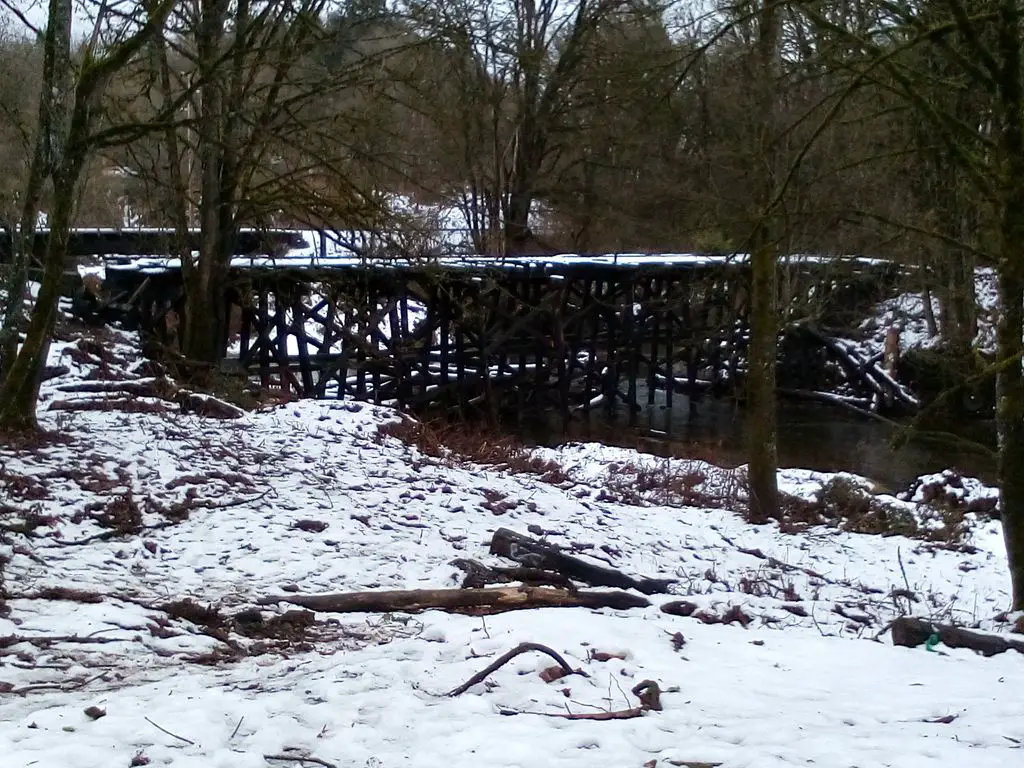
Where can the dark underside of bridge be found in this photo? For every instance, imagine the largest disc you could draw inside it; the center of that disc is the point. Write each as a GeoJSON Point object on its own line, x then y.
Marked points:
{"type": "Point", "coordinates": [500, 339]}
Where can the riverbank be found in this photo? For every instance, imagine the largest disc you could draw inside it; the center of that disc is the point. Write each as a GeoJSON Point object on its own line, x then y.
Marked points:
{"type": "Point", "coordinates": [134, 507]}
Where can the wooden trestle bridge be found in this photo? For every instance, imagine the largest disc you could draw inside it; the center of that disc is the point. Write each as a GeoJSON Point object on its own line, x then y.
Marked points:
{"type": "Point", "coordinates": [520, 335]}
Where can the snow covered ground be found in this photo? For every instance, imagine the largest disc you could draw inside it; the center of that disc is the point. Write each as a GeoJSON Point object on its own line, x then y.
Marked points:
{"type": "Point", "coordinates": [138, 506]}
{"type": "Point", "coordinates": [906, 313]}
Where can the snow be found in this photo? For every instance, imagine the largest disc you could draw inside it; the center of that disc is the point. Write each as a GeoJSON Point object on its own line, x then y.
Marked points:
{"type": "Point", "coordinates": [218, 503]}
{"type": "Point", "coordinates": [906, 313]}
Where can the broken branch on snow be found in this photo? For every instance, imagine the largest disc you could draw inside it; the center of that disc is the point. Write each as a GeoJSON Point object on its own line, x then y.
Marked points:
{"type": "Point", "coordinates": [647, 691]}
{"type": "Point", "coordinates": [504, 659]}
{"type": "Point", "coordinates": [299, 759]}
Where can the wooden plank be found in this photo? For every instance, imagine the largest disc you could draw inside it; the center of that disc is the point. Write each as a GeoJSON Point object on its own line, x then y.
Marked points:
{"type": "Point", "coordinates": [243, 331]}
{"type": "Point", "coordinates": [591, 320]}
{"type": "Point", "coordinates": [442, 306]}
{"type": "Point", "coordinates": [671, 290]}
{"type": "Point", "coordinates": [653, 301]}
{"type": "Point", "coordinates": [611, 378]}
{"type": "Point", "coordinates": [264, 338]}
{"type": "Point", "coordinates": [632, 348]}
{"type": "Point", "coordinates": [299, 330]}
{"type": "Point", "coordinates": [398, 320]}
{"type": "Point", "coordinates": [458, 303]}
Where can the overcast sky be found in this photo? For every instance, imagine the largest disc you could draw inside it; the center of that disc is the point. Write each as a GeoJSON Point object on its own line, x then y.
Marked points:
{"type": "Point", "coordinates": [35, 12]}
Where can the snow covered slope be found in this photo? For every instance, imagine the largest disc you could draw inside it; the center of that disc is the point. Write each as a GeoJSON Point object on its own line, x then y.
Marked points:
{"type": "Point", "coordinates": [138, 506]}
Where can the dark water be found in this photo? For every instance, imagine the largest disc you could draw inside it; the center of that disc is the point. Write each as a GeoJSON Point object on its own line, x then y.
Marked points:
{"type": "Point", "coordinates": [811, 435]}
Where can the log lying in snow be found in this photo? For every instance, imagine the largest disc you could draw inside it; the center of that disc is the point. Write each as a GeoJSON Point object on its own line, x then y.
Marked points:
{"type": "Point", "coordinates": [468, 601]}
{"type": "Point", "coordinates": [480, 575]}
{"type": "Point", "coordinates": [911, 632]}
{"type": "Point", "coordinates": [536, 554]}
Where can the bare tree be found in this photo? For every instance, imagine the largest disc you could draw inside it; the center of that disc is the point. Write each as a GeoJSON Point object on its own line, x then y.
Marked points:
{"type": "Point", "coordinates": [764, 263]}
{"type": "Point", "coordinates": [255, 136]}
{"type": "Point", "coordinates": [518, 64]}
{"type": "Point", "coordinates": [65, 140]}
{"type": "Point", "coordinates": [983, 42]}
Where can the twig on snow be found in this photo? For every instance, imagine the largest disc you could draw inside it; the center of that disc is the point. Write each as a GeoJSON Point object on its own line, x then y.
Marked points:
{"type": "Point", "coordinates": [58, 686]}
{"type": "Point", "coordinates": [45, 641]}
{"type": "Point", "coordinates": [816, 624]}
{"type": "Point", "coordinates": [301, 759]}
{"type": "Point", "coordinates": [235, 732]}
{"type": "Point", "coordinates": [173, 735]}
{"type": "Point", "coordinates": [878, 635]}
{"type": "Point", "coordinates": [622, 714]}
{"type": "Point", "coordinates": [112, 534]}
{"type": "Point", "coordinates": [507, 657]}
{"type": "Point", "coordinates": [235, 502]}
{"type": "Point", "coordinates": [647, 691]}
{"type": "Point", "coordinates": [910, 592]}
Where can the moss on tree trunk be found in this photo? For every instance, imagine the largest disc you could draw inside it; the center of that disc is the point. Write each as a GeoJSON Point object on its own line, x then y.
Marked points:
{"type": "Point", "coordinates": [1010, 423]}
{"type": "Point", "coordinates": [20, 390]}
{"type": "Point", "coordinates": [764, 317]}
{"type": "Point", "coordinates": [761, 418]}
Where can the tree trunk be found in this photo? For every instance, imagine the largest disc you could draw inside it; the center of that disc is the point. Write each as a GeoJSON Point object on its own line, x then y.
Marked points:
{"type": "Point", "coordinates": [764, 316]}
{"type": "Point", "coordinates": [1010, 416]}
{"type": "Point", "coordinates": [52, 100]}
{"type": "Point", "coordinates": [517, 219]}
{"type": "Point", "coordinates": [1010, 331]}
{"type": "Point", "coordinates": [959, 311]}
{"type": "Point", "coordinates": [66, 145]}
{"type": "Point", "coordinates": [761, 418]}
{"type": "Point", "coordinates": [22, 370]}
{"type": "Point", "coordinates": [20, 390]}
{"type": "Point", "coordinates": [204, 293]}
{"type": "Point", "coordinates": [180, 181]}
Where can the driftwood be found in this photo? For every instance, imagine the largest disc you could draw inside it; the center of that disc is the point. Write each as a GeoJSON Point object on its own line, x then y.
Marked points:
{"type": "Point", "coordinates": [912, 632]}
{"type": "Point", "coordinates": [474, 602]}
{"type": "Point", "coordinates": [866, 372]}
{"type": "Point", "coordinates": [536, 554]}
{"type": "Point", "coordinates": [480, 575]}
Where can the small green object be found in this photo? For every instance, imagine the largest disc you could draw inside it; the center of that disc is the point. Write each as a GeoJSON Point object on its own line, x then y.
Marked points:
{"type": "Point", "coordinates": [931, 642]}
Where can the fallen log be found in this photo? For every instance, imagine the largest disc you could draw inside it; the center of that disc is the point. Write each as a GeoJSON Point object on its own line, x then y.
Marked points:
{"type": "Point", "coordinates": [536, 554]}
{"type": "Point", "coordinates": [474, 602]}
{"type": "Point", "coordinates": [480, 575]}
{"type": "Point", "coordinates": [911, 632]}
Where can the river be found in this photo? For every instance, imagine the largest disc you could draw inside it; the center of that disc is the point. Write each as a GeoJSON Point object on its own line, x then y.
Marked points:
{"type": "Point", "coordinates": [811, 435]}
